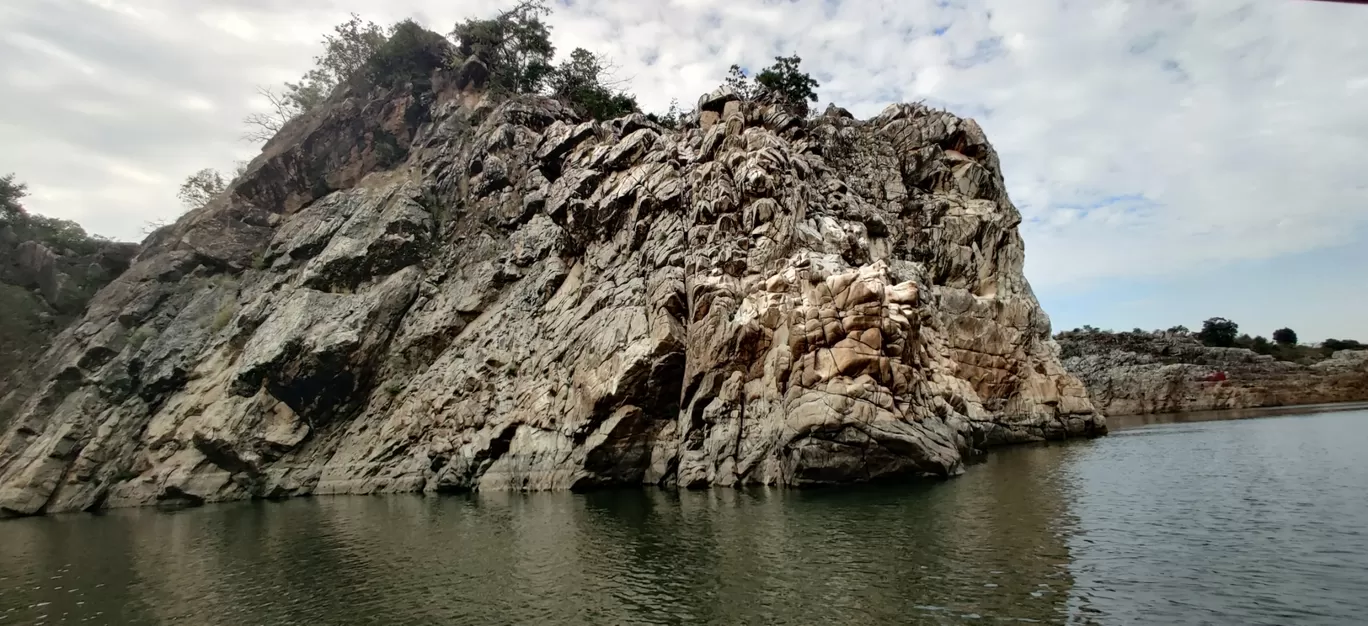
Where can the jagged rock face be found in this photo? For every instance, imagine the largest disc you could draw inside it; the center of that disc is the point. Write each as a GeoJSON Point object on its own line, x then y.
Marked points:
{"type": "Point", "coordinates": [43, 289]}
{"type": "Point", "coordinates": [1140, 373]}
{"type": "Point", "coordinates": [526, 301]}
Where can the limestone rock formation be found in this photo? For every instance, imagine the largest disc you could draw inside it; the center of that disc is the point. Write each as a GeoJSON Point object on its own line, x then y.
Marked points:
{"type": "Point", "coordinates": [1140, 373]}
{"type": "Point", "coordinates": [431, 289]}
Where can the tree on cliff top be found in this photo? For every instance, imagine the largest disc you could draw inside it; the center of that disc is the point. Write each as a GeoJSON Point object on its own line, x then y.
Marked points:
{"type": "Point", "coordinates": [350, 46]}
{"type": "Point", "coordinates": [782, 82]}
{"type": "Point", "coordinates": [408, 55]}
{"type": "Point", "coordinates": [793, 88]}
{"type": "Point", "coordinates": [345, 52]}
{"type": "Point", "coordinates": [201, 187]}
{"type": "Point", "coordinates": [515, 46]}
{"type": "Point", "coordinates": [1219, 332]}
{"type": "Point", "coordinates": [1285, 336]}
{"type": "Point", "coordinates": [739, 83]}
{"type": "Point", "coordinates": [671, 118]}
{"type": "Point", "coordinates": [580, 82]}
{"type": "Point", "coordinates": [11, 193]}
{"type": "Point", "coordinates": [56, 233]}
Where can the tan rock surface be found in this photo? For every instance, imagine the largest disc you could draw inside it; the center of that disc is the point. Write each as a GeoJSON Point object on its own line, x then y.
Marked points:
{"type": "Point", "coordinates": [517, 299]}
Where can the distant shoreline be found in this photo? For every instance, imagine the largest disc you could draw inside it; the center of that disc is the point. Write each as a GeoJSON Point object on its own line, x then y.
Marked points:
{"type": "Point", "coordinates": [1122, 422]}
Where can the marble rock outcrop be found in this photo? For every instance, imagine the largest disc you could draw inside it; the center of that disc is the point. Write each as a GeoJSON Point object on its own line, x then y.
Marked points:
{"type": "Point", "coordinates": [1140, 373]}
{"type": "Point", "coordinates": [434, 290]}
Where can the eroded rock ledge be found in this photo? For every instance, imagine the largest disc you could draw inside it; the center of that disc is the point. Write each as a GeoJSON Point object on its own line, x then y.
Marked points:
{"type": "Point", "coordinates": [437, 291]}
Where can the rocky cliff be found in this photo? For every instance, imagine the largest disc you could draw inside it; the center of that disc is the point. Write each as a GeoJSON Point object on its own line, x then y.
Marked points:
{"type": "Point", "coordinates": [431, 289]}
{"type": "Point", "coordinates": [1136, 373]}
{"type": "Point", "coordinates": [44, 286]}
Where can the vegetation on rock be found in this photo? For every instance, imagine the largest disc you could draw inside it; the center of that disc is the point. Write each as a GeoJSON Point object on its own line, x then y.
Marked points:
{"type": "Point", "coordinates": [1283, 347]}
{"type": "Point", "coordinates": [345, 51]}
{"type": "Point", "coordinates": [1164, 372]}
{"type": "Point", "coordinates": [792, 88]}
{"type": "Point", "coordinates": [408, 55]}
{"type": "Point", "coordinates": [200, 187]}
{"type": "Point", "coordinates": [580, 83]}
{"type": "Point", "coordinates": [515, 46]}
{"type": "Point", "coordinates": [1219, 332]}
{"type": "Point", "coordinates": [58, 234]}
{"type": "Point", "coordinates": [49, 270]}
{"type": "Point", "coordinates": [782, 83]}
{"type": "Point", "coordinates": [672, 118]}
{"type": "Point", "coordinates": [1343, 344]}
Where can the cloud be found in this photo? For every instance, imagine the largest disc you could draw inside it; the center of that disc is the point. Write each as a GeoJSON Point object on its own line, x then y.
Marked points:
{"type": "Point", "coordinates": [1142, 140]}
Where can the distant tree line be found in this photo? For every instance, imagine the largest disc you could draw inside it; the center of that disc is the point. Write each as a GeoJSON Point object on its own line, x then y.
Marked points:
{"type": "Point", "coordinates": [1220, 332]}
{"type": "Point", "coordinates": [59, 234]}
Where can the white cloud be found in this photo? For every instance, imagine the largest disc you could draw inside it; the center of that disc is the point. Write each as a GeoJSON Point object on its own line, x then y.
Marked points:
{"type": "Point", "coordinates": [1228, 130]}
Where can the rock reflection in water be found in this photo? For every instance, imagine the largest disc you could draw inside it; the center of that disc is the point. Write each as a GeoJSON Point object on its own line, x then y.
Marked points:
{"type": "Point", "coordinates": [991, 544]}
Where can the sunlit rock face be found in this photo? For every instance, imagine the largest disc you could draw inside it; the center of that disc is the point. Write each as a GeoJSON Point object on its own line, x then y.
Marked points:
{"type": "Point", "coordinates": [437, 290]}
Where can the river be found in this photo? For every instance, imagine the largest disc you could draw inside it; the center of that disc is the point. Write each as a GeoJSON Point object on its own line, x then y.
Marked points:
{"type": "Point", "coordinates": [1257, 521]}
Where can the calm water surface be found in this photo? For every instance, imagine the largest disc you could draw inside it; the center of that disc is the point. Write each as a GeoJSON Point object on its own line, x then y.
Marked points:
{"type": "Point", "coordinates": [1261, 521]}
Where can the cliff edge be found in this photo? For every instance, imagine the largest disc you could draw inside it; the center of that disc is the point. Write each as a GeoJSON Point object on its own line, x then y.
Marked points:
{"type": "Point", "coordinates": [433, 289]}
{"type": "Point", "coordinates": [1133, 373]}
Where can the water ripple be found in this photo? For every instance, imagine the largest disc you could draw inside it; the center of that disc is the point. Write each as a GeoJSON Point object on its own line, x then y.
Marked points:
{"type": "Point", "coordinates": [1253, 522]}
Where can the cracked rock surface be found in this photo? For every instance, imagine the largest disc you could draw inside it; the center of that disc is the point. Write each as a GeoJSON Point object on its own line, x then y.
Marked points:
{"type": "Point", "coordinates": [517, 299]}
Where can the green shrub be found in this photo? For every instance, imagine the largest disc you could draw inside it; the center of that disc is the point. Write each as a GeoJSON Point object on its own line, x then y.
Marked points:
{"type": "Point", "coordinates": [201, 187]}
{"type": "Point", "coordinates": [782, 82]}
{"type": "Point", "coordinates": [672, 118]}
{"type": "Point", "coordinates": [224, 315]}
{"type": "Point", "coordinates": [409, 55]}
{"type": "Point", "coordinates": [792, 87]}
{"type": "Point", "coordinates": [1219, 332]}
{"type": "Point", "coordinates": [55, 233]}
{"type": "Point", "coordinates": [579, 82]}
{"type": "Point", "coordinates": [140, 336]}
{"type": "Point", "coordinates": [1334, 345]}
{"type": "Point", "coordinates": [515, 46]}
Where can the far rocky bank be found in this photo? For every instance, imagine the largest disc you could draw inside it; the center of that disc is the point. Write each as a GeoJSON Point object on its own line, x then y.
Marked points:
{"type": "Point", "coordinates": [49, 270]}
{"type": "Point", "coordinates": [1131, 373]}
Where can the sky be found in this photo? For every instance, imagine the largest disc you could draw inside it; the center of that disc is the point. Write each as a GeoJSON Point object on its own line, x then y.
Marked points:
{"type": "Point", "coordinates": [1173, 160]}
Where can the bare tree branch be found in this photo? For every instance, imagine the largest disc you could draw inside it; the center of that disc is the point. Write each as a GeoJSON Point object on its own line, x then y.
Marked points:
{"type": "Point", "coordinates": [264, 126]}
